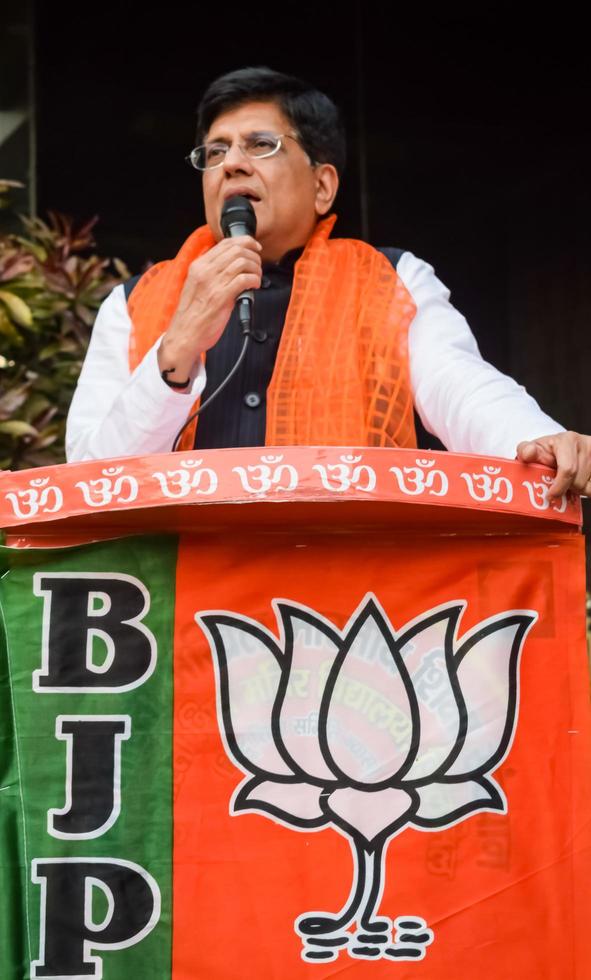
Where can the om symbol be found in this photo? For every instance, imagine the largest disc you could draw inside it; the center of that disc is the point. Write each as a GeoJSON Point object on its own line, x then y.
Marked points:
{"type": "Point", "coordinates": [538, 495]}
{"type": "Point", "coordinates": [340, 477]}
{"type": "Point", "coordinates": [267, 475]}
{"type": "Point", "coordinates": [40, 497]}
{"type": "Point", "coordinates": [415, 480]}
{"type": "Point", "coordinates": [179, 483]}
{"type": "Point", "coordinates": [482, 486]}
{"type": "Point", "coordinates": [113, 485]}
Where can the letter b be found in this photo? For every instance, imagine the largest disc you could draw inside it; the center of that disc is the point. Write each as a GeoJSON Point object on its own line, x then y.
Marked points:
{"type": "Point", "coordinates": [87, 613]}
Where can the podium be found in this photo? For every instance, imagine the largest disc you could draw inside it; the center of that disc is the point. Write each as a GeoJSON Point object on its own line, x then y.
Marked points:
{"type": "Point", "coordinates": [282, 712]}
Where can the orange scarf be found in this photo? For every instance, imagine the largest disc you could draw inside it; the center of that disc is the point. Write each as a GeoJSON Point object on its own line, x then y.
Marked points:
{"type": "Point", "coordinates": [341, 377]}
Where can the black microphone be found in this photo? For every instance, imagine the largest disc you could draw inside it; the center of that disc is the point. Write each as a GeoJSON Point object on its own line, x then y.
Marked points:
{"type": "Point", "coordinates": [238, 218]}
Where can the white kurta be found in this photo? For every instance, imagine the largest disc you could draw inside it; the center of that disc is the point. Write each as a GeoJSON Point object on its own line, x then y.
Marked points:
{"type": "Point", "coordinates": [461, 398]}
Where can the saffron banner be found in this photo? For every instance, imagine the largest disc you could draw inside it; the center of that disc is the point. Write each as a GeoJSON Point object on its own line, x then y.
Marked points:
{"type": "Point", "coordinates": [296, 750]}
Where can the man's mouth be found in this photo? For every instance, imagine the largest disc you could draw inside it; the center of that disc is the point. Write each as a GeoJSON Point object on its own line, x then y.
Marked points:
{"type": "Point", "coordinates": [241, 192]}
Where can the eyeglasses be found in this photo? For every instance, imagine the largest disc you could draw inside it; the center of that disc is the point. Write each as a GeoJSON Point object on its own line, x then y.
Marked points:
{"type": "Point", "coordinates": [257, 146]}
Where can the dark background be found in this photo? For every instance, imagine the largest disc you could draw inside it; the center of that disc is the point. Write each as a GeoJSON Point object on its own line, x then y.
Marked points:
{"type": "Point", "coordinates": [469, 145]}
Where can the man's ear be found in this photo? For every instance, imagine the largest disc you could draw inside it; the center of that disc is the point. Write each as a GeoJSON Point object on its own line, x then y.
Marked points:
{"type": "Point", "coordinates": [327, 185]}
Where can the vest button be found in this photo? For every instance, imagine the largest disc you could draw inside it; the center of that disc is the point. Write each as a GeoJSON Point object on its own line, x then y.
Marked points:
{"type": "Point", "coordinates": [252, 400]}
{"type": "Point", "coordinates": [265, 282]}
{"type": "Point", "coordinates": [260, 336]}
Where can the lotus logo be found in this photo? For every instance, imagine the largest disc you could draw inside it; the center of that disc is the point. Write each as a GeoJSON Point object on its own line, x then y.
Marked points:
{"type": "Point", "coordinates": [367, 730]}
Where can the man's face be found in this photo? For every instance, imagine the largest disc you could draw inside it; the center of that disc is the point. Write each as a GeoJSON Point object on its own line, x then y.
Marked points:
{"type": "Point", "coordinates": [287, 192]}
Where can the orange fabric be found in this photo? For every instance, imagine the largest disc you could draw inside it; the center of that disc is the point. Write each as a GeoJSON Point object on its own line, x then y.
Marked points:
{"type": "Point", "coordinates": [506, 894]}
{"type": "Point", "coordinates": [341, 375]}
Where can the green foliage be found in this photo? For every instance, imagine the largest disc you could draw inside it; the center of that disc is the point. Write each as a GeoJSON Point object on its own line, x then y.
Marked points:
{"type": "Point", "coordinates": [51, 286]}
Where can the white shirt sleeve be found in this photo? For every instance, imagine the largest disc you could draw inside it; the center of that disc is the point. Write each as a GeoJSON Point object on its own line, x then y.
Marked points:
{"type": "Point", "coordinates": [461, 398]}
{"type": "Point", "coordinates": [118, 413]}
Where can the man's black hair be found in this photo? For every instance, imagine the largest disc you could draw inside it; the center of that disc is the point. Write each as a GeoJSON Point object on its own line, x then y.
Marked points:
{"type": "Point", "coordinates": [313, 115]}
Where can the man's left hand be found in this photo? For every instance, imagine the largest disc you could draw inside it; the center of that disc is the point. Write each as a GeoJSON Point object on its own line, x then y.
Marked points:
{"type": "Point", "coordinates": [567, 452]}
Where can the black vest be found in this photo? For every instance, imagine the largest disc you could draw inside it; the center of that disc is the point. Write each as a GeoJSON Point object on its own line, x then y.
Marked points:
{"type": "Point", "coordinates": [237, 417]}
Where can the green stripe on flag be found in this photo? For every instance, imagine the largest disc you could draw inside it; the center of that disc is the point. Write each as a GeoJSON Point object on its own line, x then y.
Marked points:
{"type": "Point", "coordinates": [33, 760]}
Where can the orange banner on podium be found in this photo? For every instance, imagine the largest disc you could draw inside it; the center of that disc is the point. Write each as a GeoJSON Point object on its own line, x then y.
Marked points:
{"type": "Point", "coordinates": [335, 719]}
{"type": "Point", "coordinates": [388, 761]}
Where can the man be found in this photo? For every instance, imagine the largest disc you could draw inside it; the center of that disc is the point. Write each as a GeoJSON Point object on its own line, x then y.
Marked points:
{"type": "Point", "coordinates": [334, 319]}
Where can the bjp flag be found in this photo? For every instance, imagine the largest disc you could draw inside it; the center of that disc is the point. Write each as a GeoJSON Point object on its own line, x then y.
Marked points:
{"type": "Point", "coordinates": [296, 752]}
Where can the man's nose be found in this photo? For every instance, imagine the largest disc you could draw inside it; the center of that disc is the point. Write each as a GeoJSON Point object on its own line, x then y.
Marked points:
{"type": "Point", "coordinates": [236, 160]}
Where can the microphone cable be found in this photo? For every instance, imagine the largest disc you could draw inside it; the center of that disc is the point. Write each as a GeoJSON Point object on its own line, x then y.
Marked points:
{"type": "Point", "coordinates": [238, 218]}
{"type": "Point", "coordinates": [214, 394]}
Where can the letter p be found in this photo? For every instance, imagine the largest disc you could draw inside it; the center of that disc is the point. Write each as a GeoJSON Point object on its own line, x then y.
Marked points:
{"type": "Point", "coordinates": [69, 931]}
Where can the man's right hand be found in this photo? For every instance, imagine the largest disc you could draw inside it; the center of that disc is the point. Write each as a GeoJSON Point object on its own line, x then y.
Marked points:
{"type": "Point", "coordinates": [214, 282]}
